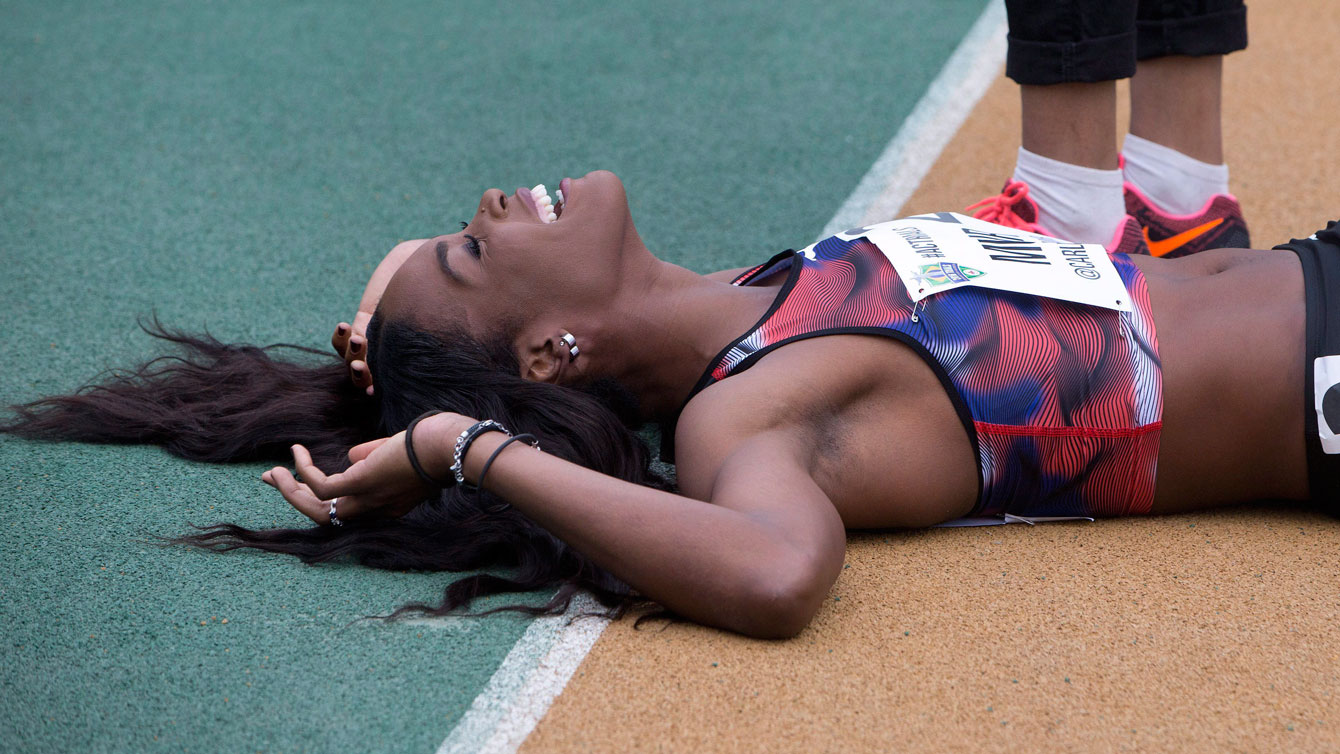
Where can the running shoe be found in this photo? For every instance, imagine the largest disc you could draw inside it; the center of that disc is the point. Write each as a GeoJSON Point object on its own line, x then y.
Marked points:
{"type": "Point", "coordinates": [1129, 238]}
{"type": "Point", "coordinates": [1013, 209]}
{"type": "Point", "coordinates": [1218, 225]}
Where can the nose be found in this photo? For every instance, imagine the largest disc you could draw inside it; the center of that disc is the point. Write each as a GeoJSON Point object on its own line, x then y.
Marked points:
{"type": "Point", "coordinates": [494, 203]}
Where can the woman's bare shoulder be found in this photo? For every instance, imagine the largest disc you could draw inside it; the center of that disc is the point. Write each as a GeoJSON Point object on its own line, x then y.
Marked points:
{"type": "Point", "coordinates": [723, 419]}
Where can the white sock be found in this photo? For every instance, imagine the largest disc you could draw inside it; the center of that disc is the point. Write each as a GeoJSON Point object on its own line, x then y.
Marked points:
{"type": "Point", "coordinates": [1176, 183]}
{"type": "Point", "coordinates": [1074, 202]}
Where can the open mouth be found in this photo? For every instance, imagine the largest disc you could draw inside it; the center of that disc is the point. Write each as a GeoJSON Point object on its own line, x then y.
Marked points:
{"type": "Point", "coordinates": [548, 209]}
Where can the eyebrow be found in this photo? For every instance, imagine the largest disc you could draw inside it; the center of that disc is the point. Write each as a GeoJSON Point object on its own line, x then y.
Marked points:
{"type": "Point", "coordinates": [441, 250]}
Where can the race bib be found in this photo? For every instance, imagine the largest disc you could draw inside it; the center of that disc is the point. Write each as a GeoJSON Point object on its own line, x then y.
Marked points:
{"type": "Point", "coordinates": [941, 252]}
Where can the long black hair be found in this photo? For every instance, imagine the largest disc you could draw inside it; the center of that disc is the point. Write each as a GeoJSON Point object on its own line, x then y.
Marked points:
{"type": "Point", "coordinates": [218, 402]}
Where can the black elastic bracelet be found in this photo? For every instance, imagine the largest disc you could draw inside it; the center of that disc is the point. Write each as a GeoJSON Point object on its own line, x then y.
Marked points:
{"type": "Point", "coordinates": [414, 459]}
{"type": "Point", "coordinates": [534, 443]}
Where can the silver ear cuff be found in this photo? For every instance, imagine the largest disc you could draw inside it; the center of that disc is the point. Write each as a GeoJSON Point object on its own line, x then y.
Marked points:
{"type": "Point", "coordinates": [571, 343]}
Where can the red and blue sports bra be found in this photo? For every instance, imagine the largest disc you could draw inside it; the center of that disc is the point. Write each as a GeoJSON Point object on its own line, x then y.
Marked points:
{"type": "Point", "coordinates": [1062, 401]}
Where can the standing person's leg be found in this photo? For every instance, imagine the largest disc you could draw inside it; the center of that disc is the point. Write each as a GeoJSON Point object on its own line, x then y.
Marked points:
{"type": "Point", "coordinates": [1176, 101]}
{"type": "Point", "coordinates": [1075, 123]}
{"type": "Point", "coordinates": [1176, 179]}
{"type": "Point", "coordinates": [1066, 57]}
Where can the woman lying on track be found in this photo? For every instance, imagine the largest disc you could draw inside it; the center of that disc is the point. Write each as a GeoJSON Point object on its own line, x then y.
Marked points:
{"type": "Point", "coordinates": [541, 336]}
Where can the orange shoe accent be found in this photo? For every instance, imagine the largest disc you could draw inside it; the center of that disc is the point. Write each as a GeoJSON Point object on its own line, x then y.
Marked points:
{"type": "Point", "coordinates": [1173, 243]}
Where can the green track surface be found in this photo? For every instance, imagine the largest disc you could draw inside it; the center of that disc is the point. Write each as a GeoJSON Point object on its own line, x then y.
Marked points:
{"type": "Point", "coordinates": [242, 166]}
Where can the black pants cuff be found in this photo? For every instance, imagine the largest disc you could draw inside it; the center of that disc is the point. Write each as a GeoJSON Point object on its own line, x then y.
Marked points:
{"type": "Point", "coordinates": [1087, 61]}
{"type": "Point", "coordinates": [1211, 34]}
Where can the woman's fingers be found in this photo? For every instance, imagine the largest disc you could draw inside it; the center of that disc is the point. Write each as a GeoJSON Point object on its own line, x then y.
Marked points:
{"type": "Point", "coordinates": [298, 495]}
{"type": "Point", "coordinates": [340, 340]}
{"type": "Point", "coordinates": [351, 343]}
{"type": "Point", "coordinates": [357, 358]}
{"type": "Point", "coordinates": [361, 451]}
{"type": "Point", "coordinates": [307, 502]}
{"type": "Point", "coordinates": [359, 373]}
{"type": "Point", "coordinates": [357, 350]}
{"type": "Point", "coordinates": [315, 478]}
{"type": "Point", "coordinates": [354, 480]}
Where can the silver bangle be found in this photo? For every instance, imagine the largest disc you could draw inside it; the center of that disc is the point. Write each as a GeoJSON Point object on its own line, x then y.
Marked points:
{"type": "Point", "coordinates": [463, 445]}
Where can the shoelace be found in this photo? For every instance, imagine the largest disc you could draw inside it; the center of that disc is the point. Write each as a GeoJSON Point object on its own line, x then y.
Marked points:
{"type": "Point", "coordinates": [1000, 209]}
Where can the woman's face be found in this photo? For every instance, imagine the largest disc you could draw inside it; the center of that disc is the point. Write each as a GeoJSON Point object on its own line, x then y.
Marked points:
{"type": "Point", "coordinates": [507, 266]}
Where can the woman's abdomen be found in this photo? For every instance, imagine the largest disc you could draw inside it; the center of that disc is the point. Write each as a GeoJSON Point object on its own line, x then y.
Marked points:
{"type": "Point", "coordinates": [1230, 331]}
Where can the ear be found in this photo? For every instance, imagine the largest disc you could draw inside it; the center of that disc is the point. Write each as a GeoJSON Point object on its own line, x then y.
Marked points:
{"type": "Point", "coordinates": [545, 357]}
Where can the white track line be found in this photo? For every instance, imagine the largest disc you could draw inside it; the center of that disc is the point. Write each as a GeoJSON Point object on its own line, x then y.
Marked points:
{"type": "Point", "coordinates": [527, 682]}
{"type": "Point", "coordinates": [545, 657]}
{"type": "Point", "coordinates": [947, 102]}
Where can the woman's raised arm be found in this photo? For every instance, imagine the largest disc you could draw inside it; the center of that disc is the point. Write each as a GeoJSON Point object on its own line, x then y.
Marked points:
{"type": "Point", "coordinates": [758, 559]}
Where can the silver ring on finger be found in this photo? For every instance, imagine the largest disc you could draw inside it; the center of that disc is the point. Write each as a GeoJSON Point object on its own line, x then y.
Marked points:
{"type": "Point", "coordinates": [334, 519]}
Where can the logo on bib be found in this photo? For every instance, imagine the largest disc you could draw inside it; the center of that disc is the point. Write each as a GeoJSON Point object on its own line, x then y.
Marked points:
{"type": "Point", "coordinates": [945, 273]}
{"type": "Point", "coordinates": [1330, 408]}
{"type": "Point", "coordinates": [1326, 399]}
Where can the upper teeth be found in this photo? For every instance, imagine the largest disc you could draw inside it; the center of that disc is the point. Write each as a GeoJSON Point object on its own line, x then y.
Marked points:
{"type": "Point", "coordinates": [544, 203]}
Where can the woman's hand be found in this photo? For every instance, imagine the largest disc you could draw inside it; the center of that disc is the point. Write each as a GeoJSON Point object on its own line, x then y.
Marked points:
{"type": "Point", "coordinates": [351, 341]}
{"type": "Point", "coordinates": [381, 481]}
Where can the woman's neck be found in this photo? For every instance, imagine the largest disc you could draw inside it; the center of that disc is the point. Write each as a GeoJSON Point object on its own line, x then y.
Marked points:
{"type": "Point", "coordinates": [665, 327]}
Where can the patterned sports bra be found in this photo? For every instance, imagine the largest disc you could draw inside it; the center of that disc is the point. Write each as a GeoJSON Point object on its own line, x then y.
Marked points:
{"type": "Point", "coordinates": [1062, 401]}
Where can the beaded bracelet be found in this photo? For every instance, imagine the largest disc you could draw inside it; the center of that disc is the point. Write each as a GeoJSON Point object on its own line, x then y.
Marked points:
{"type": "Point", "coordinates": [463, 446]}
{"type": "Point", "coordinates": [414, 458]}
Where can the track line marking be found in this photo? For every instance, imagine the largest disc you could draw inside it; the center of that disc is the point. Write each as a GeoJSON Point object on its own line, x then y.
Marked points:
{"type": "Point", "coordinates": [527, 682]}
{"type": "Point", "coordinates": [948, 100]}
{"type": "Point", "coordinates": [539, 665]}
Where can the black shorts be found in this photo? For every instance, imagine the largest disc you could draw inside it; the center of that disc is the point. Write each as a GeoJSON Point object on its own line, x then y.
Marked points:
{"type": "Point", "coordinates": [1059, 41]}
{"type": "Point", "coordinates": [1320, 257]}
